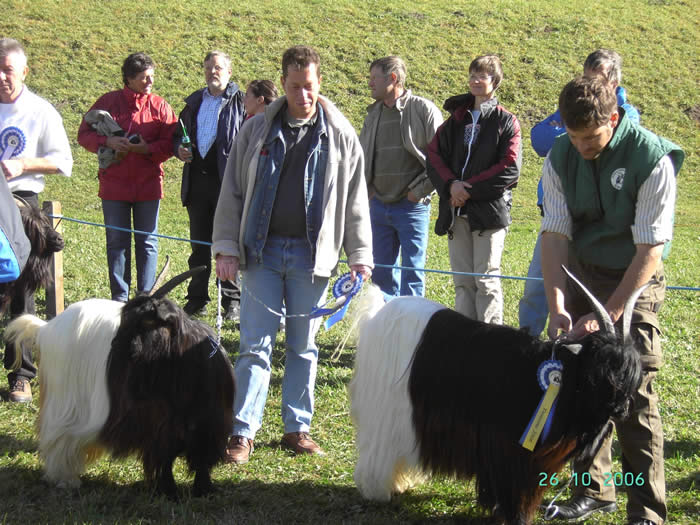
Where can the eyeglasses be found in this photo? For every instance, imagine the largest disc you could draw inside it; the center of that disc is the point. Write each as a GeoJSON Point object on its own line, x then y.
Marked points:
{"type": "Point", "coordinates": [481, 77]}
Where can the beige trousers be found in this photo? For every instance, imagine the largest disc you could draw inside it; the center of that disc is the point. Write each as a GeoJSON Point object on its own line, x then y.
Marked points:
{"type": "Point", "coordinates": [480, 252]}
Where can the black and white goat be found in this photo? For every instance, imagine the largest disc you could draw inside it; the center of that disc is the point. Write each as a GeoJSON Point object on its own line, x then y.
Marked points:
{"type": "Point", "coordinates": [137, 378]}
{"type": "Point", "coordinates": [44, 241]}
{"type": "Point", "coordinates": [436, 392]}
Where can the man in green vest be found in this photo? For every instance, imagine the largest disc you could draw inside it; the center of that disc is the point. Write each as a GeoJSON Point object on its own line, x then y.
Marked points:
{"type": "Point", "coordinates": [609, 194]}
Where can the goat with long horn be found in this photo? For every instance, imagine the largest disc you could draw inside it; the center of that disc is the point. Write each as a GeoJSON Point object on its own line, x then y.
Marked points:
{"type": "Point", "coordinates": [137, 378]}
{"type": "Point", "coordinates": [435, 392]}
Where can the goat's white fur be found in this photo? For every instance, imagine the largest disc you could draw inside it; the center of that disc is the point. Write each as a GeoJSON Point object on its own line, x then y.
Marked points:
{"type": "Point", "coordinates": [380, 405]}
{"type": "Point", "coordinates": [73, 349]}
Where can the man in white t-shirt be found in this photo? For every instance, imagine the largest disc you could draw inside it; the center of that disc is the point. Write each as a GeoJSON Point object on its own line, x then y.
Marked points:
{"type": "Point", "coordinates": [33, 142]}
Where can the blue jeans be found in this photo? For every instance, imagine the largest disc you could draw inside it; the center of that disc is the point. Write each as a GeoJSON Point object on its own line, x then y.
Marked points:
{"type": "Point", "coordinates": [118, 213]}
{"type": "Point", "coordinates": [283, 275]}
{"type": "Point", "coordinates": [533, 309]}
{"type": "Point", "coordinates": [399, 225]}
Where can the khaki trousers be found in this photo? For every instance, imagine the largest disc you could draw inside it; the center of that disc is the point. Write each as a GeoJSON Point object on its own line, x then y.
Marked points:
{"type": "Point", "coordinates": [640, 434]}
{"type": "Point", "coordinates": [478, 298]}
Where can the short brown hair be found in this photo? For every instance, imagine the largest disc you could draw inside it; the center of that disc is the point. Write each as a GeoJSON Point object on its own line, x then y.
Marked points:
{"type": "Point", "coordinates": [300, 57]}
{"type": "Point", "coordinates": [587, 101]}
{"type": "Point", "coordinates": [489, 64]}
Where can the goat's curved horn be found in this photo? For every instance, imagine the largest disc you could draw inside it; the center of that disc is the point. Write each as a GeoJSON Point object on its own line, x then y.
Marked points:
{"type": "Point", "coordinates": [20, 202]}
{"type": "Point", "coordinates": [175, 281]}
{"type": "Point", "coordinates": [598, 309]}
{"type": "Point", "coordinates": [627, 313]}
{"type": "Point", "coordinates": [161, 276]}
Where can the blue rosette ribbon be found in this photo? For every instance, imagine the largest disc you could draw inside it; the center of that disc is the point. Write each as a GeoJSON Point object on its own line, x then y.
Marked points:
{"type": "Point", "coordinates": [549, 379]}
{"type": "Point", "coordinates": [12, 142]}
{"type": "Point", "coordinates": [344, 290]}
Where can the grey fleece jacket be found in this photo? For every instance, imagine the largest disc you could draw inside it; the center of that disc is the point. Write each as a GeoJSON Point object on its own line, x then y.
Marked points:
{"type": "Point", "coordinates": [345, 224]}
{"type": "Point", "coordinates": [420, 119]}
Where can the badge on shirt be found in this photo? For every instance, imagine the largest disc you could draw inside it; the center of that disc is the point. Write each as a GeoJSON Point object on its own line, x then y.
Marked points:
{"type": "Point", "coordinates": [617, 178]}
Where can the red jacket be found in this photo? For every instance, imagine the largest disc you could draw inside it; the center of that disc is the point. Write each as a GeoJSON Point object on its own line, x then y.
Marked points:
{"type": "Point", "coordinates": [136, 177]}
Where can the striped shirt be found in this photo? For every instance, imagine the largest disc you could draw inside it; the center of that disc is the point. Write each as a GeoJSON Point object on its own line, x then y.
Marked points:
{"type": "Point", "coordinates": [653, 218]}
{"type": "Point", "coordinates": [207, 121]}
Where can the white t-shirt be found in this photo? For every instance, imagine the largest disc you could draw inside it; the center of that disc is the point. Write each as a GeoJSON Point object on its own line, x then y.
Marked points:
{"type": "Point", "coordinates": [32, 128]}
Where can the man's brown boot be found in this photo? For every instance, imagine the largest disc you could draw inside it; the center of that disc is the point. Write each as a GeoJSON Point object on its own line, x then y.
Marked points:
{"type": "Point", "coordinates": [20, 391]}
{"type": "Point", "coordinates": [301, 443]}
{"type": "Point", "coordinates": [238, 450]}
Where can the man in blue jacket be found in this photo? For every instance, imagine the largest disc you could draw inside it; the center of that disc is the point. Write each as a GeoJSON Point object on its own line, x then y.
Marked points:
{"type": "Point", "coordinates": [212, 117]}
{"type": "Point", "coordinates": [533, 310]}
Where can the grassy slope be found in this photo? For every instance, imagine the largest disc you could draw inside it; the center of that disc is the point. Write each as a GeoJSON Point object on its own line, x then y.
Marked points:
{"type": "Point", "coordinates": [75, 52]}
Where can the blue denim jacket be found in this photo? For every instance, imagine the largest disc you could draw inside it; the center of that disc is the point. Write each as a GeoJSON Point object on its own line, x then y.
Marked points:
{"type": "Point", "coordinates": [267, 180]}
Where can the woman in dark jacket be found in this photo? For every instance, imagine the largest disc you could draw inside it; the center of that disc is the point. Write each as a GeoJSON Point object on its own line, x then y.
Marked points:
{"type": "Point", "coordinates": [474, 161]}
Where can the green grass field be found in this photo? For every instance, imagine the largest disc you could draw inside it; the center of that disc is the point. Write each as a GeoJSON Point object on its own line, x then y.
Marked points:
{"type": "Point", "coordinates": [75, 51]}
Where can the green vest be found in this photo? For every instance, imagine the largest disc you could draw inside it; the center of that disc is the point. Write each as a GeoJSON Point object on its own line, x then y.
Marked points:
{"type": "Point", "coordinates": [602, 194]}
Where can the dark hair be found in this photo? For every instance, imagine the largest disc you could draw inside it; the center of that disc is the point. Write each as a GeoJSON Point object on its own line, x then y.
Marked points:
{"type": "Point", "coordinates": [587, 101]}
{"type": "Point", "coordinates": [608, 59]}
{"type": "Point", "coordinates": [265, 89]}
{"type": "Point", "coordinates": [300, 57]}
{"type": "Point", "coordinates": [489, 64]}
{"type": "Point", "coordinates": [134, 64]}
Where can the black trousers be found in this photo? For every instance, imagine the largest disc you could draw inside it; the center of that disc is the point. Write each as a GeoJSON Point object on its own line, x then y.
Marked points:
{"type": "Point", "coordinates": [20, 304]}
{"type": "Point", "coordinates": [203, 196]}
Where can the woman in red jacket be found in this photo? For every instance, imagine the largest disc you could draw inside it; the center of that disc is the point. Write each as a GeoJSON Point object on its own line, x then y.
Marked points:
{"type": "Point", "coordinates": [133, 182]}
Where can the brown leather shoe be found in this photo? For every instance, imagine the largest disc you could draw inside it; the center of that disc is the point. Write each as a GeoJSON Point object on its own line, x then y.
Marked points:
{"type": "Point", "coordinates": [301, 443]}
{"type": "Point", "coordinates": [238, 450]}
{"type": "Point", "coordinates": [20, 391]}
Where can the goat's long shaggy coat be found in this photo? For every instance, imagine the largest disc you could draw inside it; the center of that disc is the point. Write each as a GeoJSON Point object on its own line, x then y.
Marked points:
{"type": "Point", "coordinates": [140, 378]}
{"type": "Point", "coordinates": [436, 392]}
{"type": "Point", "coordinates": [44, 242]}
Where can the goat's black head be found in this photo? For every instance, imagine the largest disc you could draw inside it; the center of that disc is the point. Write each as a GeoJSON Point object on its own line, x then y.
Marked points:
{"type": "Point", "coordinates": [607, 373]}
{"type": "Point", "coordinates": [153, 325]}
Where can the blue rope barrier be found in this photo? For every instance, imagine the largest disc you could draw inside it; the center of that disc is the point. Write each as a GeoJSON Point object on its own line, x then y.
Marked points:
{"type": "Point", "coordinates": [426, 270]}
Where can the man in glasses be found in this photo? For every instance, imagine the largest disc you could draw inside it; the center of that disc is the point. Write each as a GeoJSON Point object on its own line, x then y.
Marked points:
{"type": "Point", "coordinates": [212, 117]}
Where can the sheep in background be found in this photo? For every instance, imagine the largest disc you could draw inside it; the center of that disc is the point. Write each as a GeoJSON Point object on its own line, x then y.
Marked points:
{"type": "Point", "coordinates": [436, 392]}
{"type": "Point", "coordinates": [137, 378]}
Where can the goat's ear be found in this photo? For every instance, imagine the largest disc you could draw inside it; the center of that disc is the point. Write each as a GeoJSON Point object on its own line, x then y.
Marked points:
{"type": "Point", "coordinates": [574, 348]}
{"type": "Point", "coordinates": [163, 312]}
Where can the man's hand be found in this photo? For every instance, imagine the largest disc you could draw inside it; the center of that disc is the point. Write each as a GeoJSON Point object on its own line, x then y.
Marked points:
{"type": "Point", "coordinates": [558, 322]}
{"type": "Point", "coordinates": [184, 154]}
{"type": "Point", "coordinates": [12, 168]}
{"type": "Point", "coordinates": [364, 271]}
{"type": "Point", "coordinates": [226, 267]}
{"type": "Point", "coordinates": [412, 196]}
{"type": "Point", "coordinates": [459, 194]}
{"type": "Point", "coordinates": [585, 325]}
